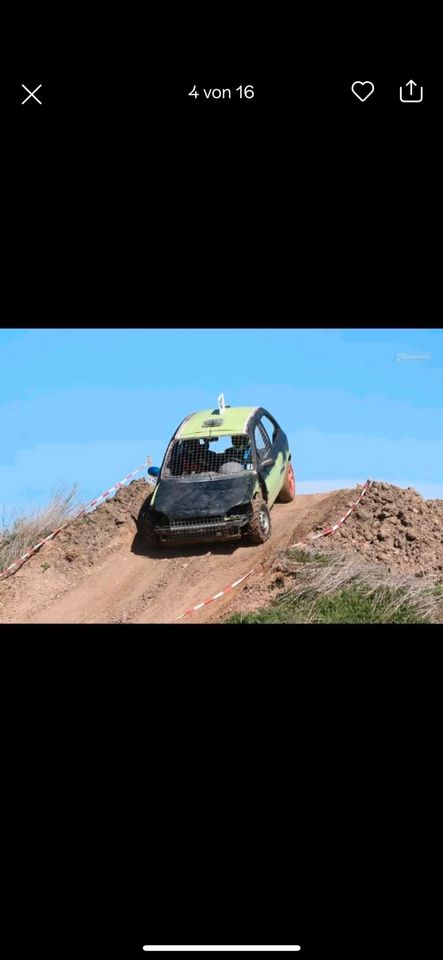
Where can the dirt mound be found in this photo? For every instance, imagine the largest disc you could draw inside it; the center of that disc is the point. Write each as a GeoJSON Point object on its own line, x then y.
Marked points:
{"type": "Point", "coordinates": [59, 564]}
{"type": "Point", "coordinates": [396, 527]}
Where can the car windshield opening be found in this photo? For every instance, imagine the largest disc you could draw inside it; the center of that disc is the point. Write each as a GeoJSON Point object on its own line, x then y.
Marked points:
{"type": "Point", "coordinates": [209, 457]}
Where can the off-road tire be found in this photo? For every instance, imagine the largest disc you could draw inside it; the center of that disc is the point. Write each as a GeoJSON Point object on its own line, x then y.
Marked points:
{"type": "Point", "coordinates": [287, 492]}
{"type": "Point", "coordinates": [259, 527]}
{"type": "Point", "coordinates": [144, 527]}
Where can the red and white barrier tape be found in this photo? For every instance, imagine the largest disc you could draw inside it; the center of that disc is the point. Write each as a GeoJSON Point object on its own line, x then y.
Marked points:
{"type": "Point", "coordinates": [300, 543]}
{"type": "Point", "coordinates": [335, 526]}
{"type": "Point", "coordinates": [89, 506]}
{"type": "Point", "coordinates": [216, 596]}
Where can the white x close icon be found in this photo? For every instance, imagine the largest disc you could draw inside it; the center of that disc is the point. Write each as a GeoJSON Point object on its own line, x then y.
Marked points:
{"type": "Point", "coordinates": [31, 94]}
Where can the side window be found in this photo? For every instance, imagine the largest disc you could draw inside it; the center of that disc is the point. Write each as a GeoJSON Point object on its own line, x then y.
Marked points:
{"type": "Point", "coordinates": [270, 427]}
{"type": "Point", "coordinates": [262, 442]}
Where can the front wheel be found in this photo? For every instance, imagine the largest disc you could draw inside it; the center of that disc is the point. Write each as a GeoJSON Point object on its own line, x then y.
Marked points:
{"type": "Point", "coordinates": [151, 539]}
{"type": "Point", "coordinates": [259, 528]}
{"type": "Point", "coordinates": [287, 492]}
{"type": "Point", "coordinates": [144, 527]}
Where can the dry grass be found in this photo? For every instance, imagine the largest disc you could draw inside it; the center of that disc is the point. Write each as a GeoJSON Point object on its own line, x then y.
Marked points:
{"type": "Point", "coordinates": [341, 587]}
{"type": "Point", "coordinates": [387, 591]}
{"type": "Point", "coordinates": [23, 532]}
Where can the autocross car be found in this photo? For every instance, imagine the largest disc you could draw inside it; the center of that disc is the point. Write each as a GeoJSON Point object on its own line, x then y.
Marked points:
{"type": "Point", "coordinates": [222, 472]}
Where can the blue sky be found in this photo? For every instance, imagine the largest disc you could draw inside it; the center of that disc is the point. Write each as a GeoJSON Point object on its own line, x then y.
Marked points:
{"type": "Point", "coordinates": [89, 405]}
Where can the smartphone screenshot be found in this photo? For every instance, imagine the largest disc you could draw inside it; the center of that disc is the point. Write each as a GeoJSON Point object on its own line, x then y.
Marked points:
{"type": "Point", "coordinates": [221, 482]}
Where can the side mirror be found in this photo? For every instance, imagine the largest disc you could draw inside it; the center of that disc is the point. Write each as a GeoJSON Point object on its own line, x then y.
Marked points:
{"type": "Point", "coordinates": [154, 471]}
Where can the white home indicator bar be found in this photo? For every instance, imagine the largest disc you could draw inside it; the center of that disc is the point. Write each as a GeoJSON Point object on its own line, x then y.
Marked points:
{"type": "Point", "coordinates": [268, 949]}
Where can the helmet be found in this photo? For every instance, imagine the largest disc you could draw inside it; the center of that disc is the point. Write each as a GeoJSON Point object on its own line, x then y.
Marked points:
{"type": "Point", "coordinates": [192, 446]}
{"type": "Point", "coordinates": [240, 441]}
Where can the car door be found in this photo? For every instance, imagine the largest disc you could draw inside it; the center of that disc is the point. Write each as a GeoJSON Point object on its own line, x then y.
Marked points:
{"type": "Point", "coordinates": [268, 467]}
{"type": "Point", "coordinates": [265, 460]}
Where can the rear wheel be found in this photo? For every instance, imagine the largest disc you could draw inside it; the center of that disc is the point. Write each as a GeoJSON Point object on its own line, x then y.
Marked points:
{"type": "Point", "coordinates": [287, 492]}
{"type": "Point", "coordinates": [259, 528]}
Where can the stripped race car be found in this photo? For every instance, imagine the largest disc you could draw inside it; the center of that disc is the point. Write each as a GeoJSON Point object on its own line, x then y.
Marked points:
{"type": "Point", "coordinates": [222, 472]}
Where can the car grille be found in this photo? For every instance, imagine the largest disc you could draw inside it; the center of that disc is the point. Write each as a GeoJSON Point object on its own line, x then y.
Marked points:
{"type": "Point", "coordinates": [201, 527]}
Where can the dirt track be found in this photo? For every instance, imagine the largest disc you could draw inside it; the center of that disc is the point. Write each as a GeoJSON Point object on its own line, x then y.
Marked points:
{"type": "Point", "coordinates": [99, 570]}
{"type": "Point", "coordinates": [126, 582]}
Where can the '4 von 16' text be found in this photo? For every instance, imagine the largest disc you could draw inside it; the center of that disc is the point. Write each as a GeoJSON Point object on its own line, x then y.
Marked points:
{"type": "Point", "coordinates": [216, 93]}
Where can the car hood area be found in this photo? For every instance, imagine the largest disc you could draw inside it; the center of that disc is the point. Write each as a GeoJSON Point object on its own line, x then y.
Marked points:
{"type": "Point", "coordinates": [182, 499]}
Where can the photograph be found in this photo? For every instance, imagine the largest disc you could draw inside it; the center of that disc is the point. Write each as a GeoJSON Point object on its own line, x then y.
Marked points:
{"type": "Point", "coordinates": [158, 479]}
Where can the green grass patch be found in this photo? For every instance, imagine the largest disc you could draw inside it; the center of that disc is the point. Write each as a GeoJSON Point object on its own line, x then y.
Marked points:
{"type": "Point", "coordinates": [305, 556]}
{"type": "Point", "coordinates": [353, 604]}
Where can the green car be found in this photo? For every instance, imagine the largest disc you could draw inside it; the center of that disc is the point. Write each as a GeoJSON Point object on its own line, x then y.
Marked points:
{"type": "Point", "coordinates": [221, 473]}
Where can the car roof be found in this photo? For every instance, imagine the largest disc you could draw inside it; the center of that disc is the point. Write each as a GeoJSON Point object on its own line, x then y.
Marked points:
{"type": "Point", "coordinates": [205, 423]}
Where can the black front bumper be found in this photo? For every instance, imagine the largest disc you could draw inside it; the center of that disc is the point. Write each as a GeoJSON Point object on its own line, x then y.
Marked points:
{"type": "Point", "coordinates": [201, 529]}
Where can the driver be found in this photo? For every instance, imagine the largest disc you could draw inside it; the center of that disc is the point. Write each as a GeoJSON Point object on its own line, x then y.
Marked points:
{"type": "Point", "coordinates": [192, 456]}
{"type": "Point", "coordinates": [240, 450]}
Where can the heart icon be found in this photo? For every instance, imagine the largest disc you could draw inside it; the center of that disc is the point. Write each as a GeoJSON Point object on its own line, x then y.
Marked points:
{"type": "Point", "coordinates": [363, 86]}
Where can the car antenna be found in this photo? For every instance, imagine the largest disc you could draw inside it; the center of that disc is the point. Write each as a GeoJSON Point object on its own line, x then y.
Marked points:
{"type": "Point", "coordinates": [221, 404]}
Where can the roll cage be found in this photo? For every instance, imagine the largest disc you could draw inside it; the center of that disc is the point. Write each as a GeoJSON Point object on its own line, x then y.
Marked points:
{"type": "Point", "coordinates": [263, 446]}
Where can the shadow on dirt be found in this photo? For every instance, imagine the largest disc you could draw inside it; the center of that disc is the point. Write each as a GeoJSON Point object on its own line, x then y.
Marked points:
{"type": "Point", "coordinates": [141, 548]}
